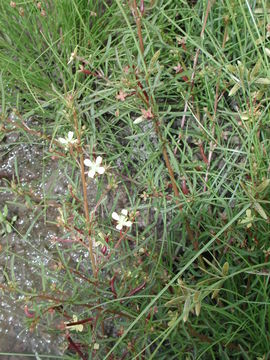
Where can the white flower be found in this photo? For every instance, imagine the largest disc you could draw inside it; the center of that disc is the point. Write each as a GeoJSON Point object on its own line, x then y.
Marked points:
{"type": "Point", "coordinates": [248, 219]}
{"type": "Point", "coordinates": [94, 166]}
{"type": "Point", "coordinates": [68, 140]}
{"type": "Point", "coordinates": [78, 327]}
{"type": "Point", "coordinates": [121, 219]}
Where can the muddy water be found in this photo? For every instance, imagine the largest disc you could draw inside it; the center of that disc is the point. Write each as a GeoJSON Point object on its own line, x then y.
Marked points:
{"type": "Point", "coordinates": [29, 244]}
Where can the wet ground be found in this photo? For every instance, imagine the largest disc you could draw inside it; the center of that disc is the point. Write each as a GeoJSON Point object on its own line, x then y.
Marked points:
{"type": "Point", "coordinates": [30, 178]}
{"type": "Point", "coordinates": [28, 247]}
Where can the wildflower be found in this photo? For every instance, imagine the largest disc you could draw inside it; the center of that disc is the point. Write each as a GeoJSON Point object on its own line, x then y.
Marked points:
{"type": "Point", "coordinates": [96, 346]}
{"type": "Point", "coordinates": [21, 11]}
{"type": "Point", "coordinates": [43, 13]}
{"type": "Point", "coordinates": [146, 115]}
{"type": "Point", "coordinates": [121, 219]}
{"type": "Point", "coordinates": [78, 327]}
{"type": "Point", "coordinates": [94, 166]}
{"type": "Point", "coordinates": [12, 4]}
{"type": "Point", "coordinates": [178, 69]}
{"type": "Point", "coordinates": [248, 220]}
{"type": "Point", "coordinates": [126, 70]}
{"type": "Point", "coordinates": [121, 96]}
{"type": "Point", "coordinates": [182, 42]}
{"type": "Point", "coordinates": [68, 140]}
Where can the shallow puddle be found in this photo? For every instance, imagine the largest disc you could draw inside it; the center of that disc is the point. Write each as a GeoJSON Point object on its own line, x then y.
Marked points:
{"type": "Point", "coordinates": [27, 249]}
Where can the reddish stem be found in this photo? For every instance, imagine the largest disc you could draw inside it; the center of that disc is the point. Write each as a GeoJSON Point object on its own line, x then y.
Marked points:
{"type": "Point", "coordinates": [75, 347]}
{"type": "Point", "coordinates": [136, 290]}
{"type": "Point", "coordinates": [142, 7]}
{"type": "Point", "coordinates": [141, 86]}
{"type": "Point", "coordinates": [80, 322]}
{"type": "Point", "coordinates": [203, 154]}
{"type": "Point", "coordinates": [112, 286]}
{"type": "Point", "coordinates": [27, 313]}
{"type": "Point", "coordinates": [184, 187]}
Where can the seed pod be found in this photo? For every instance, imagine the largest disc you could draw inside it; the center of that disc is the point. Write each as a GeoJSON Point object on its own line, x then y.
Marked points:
{"type": "Point", "coordinates": [225, 269]}
{"type": "Point", "coordinates": [198, 308]}
{"type": "Point", "coordinates": [21, 11]}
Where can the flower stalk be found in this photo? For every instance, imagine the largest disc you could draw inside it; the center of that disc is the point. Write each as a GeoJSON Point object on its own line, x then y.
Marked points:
{"type": "Point", "coordinates": [85, 202]}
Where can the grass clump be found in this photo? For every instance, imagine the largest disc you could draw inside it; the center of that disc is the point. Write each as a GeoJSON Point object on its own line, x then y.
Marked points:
{"type": "Point", "coordinates": [157, 115]}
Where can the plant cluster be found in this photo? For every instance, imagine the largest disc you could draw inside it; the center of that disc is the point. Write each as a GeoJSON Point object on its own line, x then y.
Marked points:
{"type": "Point", "coordinates": [162, 109]}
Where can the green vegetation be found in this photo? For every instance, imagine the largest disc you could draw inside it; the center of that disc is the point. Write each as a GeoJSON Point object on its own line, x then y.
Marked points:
{"type": "Point", "coordinates": [174, 96]}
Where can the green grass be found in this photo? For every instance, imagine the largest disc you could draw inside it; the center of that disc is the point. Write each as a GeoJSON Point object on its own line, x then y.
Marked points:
{"type": "Point", "coordinates": [201, 256]}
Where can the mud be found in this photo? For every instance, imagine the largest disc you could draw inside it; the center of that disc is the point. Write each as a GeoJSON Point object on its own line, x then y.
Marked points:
{"type": "Point", "coordinates": [29, 244]}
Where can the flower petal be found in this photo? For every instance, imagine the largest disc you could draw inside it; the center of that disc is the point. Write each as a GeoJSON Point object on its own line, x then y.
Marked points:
{"type": "Point", "coordinates": [91, 173]}
{"type": "Point", "coordinates": [88, 162]}
{"type": "Point", "coordinates": [98, 160]}
{"type": "Point", "coordinates": [124, 212]}
{"type": "Point", "coordinates": [248, 213]}
{"type": "Point", "coordinates": [79, 327]}
{"type": "Point", "coordinates": [115, 216]}
{"type": "Point", "coordinates": [139, 120]}
{"type": "Point", "coordinates": [70, 135]}
{"type": "Point", "coordinates": [128, 223]}
{"type": "Point", "coordinates": [119, 226]}
{"type": "Point", "coordinates": [101, 170]}
{"type": "Point", "coordinates": [62, 141]}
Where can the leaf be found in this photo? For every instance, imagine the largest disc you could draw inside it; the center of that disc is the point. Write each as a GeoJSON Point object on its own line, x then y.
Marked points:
{"type": "Point", "coordinates": [8, 227]}
{"type": "Point", "coordinates": [263, 185]}
{"type": "Point", "coordinates": [260, 210]}
{"type": "Point", "coordinates": [267, 51]}
{"type": "Point", "coordinates": [198, 308]}
{"type": "Point", "coordinates": [196, 296]}
{"type": "Point", "coordinates": [234, 89]}
{"type": "Point", "coordinates": [139, 120]}
{"type": "Point", "coordinates": [263, 81]}
{"type": "Point", "coordinates": [225, 268]}
{"type": "Point", "coordinates": [254, 72]}
{"type": "Point", "coordinates": [154, 60]}
{"type": "Point", "coordinates": [186, 308]}
{"type": "Point", "coordinates": [217, 289]}
{"type": "Point", "coordinates": [5, 213]}
{"type": "Point", "coordinates": [232, 68]}
{"type": "Point", "coordinates": [174, 317]}
{"type": "Point", "coordinates": [175, 301]}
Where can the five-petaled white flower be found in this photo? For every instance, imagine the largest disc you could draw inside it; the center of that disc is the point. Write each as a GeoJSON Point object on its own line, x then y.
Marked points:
{"type": "Point", "coordinates": [121, 219]}
{"type": "Point", "coordinates": [68, 140]}
{"type": "Point", "coordinates": [94, 166]}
